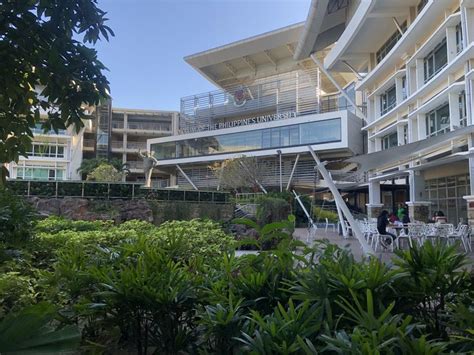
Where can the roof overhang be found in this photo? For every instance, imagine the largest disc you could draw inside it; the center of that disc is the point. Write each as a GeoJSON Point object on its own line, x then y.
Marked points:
{"type": "Point", "coordinates": [408, 152]}
{"type": "Point", "coordinates": [259, 56]}
{"type": "Point", "coordinates": [275, 52]}
{"type": "Point", "coordinates": [370, 26]}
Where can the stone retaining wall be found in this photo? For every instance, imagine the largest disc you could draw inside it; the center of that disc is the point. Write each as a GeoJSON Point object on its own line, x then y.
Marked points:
{"type": "Point", "coordinates": [123, 210]}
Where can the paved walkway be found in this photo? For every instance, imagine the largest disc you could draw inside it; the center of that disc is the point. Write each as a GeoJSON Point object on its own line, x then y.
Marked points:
{"type": "Point", "coordinates": [334, 238]}
{"type": "Point", "coordinates": [352, 243]}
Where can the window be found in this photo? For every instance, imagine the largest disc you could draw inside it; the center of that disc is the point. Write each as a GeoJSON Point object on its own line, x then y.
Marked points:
{"type": "Point", "coordinates": [292, 135]}
{"type": "Point", "coordinates": [437, 121]}
{"type": "Point", "coordinates": [462, 109]}
{"type": "Point", "coordinates": [390, 43]}
{"type": "Point", "coordinates": [405, 134]}
{"type": "Point", "coordinates": [388, 100]}
{"type": "Point", "coordinates": [436, 60]}
{"type": "Point", "coordinates": [459, 44]}
{"type": "Point", "coordinates": [39, 173]}
{"type": "Point", "coordinates": [390, 141]}
{"type": "Point", "coordinates": [47, 150]}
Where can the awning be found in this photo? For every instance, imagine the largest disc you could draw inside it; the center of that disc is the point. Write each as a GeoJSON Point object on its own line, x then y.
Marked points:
{"type": "Point", "coordinates": [407, 152]}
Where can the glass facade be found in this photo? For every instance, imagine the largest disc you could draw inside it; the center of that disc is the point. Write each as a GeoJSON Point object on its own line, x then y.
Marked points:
{"type": "Point", "coordinates": [39, 173]}
{"type": "Point", "coordinates": [388, 100]}
{"type": "Point", "coordinates": [436, 60]}
{"type": "Point", "coordinates": [47, 150]}
{"type": "Point", "coordinates": [437, 121]}
{"type": "Point", "coordinates": [446, 195]}
{"type": "Point", "coordinates": [389, 141]}
{"type": "Point", "coordinates": [279, 137]}
{"type": "Point", "coordinates": [462, 109]}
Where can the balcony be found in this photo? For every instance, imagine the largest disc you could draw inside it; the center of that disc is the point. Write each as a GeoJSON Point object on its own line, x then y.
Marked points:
{"type": "Point", "coordinates": [38, 131]}
{"type": "Point", "coordinates": [89, 144]}
{"type": "Point", "coordinates": [135, 165]}
{"type": "Point", "coordinates": [145, 126]}
{"type": "Point", "coordinates": [136, 145]}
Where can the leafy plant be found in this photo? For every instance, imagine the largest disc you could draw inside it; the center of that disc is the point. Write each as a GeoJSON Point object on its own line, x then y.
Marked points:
{"type": "Point", "coordinates": [34, 331]}
{"type": "Point", "coordinates": [17, 217]}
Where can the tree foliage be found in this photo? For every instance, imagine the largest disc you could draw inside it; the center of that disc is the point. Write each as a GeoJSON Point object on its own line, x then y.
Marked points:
{"type": "Point", "coordinates": [239, 174]}
{"type": "Point", "coordinates": [49, 74]}
{"type": "Point", "coordinates": [105, 173]}
{"type": "Point", "coordinates": [89, 165]}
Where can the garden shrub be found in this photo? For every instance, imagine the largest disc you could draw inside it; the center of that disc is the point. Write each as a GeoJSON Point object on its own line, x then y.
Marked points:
{"type": "Point", "coordinates": [178, 288]}
{"type": "Point", "coordinates": [272, 209]}
{"type": "Point", "coordinates": [320, 215]}
{"type": "Point", "coordinates": [17, 217]}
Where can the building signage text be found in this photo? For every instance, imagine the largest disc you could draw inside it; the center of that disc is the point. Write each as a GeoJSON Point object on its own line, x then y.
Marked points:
{"type": "Point", "coordinates": [241, 122]}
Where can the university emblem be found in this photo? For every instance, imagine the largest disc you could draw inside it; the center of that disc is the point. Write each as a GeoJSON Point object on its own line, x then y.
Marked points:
{"type": "Point", "coordinates": [240, 97]}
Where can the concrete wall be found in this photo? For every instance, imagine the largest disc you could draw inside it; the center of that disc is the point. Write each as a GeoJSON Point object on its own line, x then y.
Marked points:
{"type": "Point", "coordinates": [123, 210]}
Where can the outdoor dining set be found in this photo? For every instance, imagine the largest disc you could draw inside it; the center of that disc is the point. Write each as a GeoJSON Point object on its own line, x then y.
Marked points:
{"type": "Point", "coordinates": [416, 233]}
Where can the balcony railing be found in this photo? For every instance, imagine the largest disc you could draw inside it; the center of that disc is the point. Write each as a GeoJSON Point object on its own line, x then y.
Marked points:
{"type": "Point", "coordinates": [149, 126]}
{"type": "Point", "coordinates": [136, 145]}
{"type": "Point", "coordinates": [295, 92]}
{"type": "Point", "coordinates": [38, 131]}
{"type": "Point", "coordinates": [135, 165]}
{"type": "Point", "coordinates": [89, 143]}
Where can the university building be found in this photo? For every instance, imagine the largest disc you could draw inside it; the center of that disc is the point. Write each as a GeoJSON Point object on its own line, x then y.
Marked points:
{"type": "Point", "coordinates": [112, 133]}
{"type": "Point", "coordinates": [272, 102]}
{"type": "Point", "coordinates": [415, 63]}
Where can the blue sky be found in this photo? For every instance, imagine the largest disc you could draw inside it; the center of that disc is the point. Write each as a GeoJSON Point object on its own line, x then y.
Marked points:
{"type": "Point", "coordinates": [145, 58]}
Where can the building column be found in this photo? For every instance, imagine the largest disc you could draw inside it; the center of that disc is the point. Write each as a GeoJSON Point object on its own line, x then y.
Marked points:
{"type": "Point", "coordinates": [470, 198]}
{"type": "Point", "coordinates": [451, 43]}
{"type": "Point", "coordinates": [421, 126]}
{"type": "Point", "coordinates": [454, 117]}
{"type": "Point", "coordinates": [374, 207]}
{"type": "Point", "coordinates": [420, 73]}
{"type": "Point", "coordinates": [418, 207]}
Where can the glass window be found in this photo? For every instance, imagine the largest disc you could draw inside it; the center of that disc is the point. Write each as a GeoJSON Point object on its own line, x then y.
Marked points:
{"type": "Point", "coordinates": [462, 109]}
{"type": "Point", "coordinates": [390, 43]}
{"type": "Point", "coordinates": [421, 5]}
{"type": "Point", "coordinates": [459, 44]}
{"type": "Point", "coordinates": [437, 121]}
{"type": "Point", "coordinates": [404, 88]}
{"type": "Point", "coordinates": [305, 133]}
{"type": "Point", "coordinates": [436, 60]}
{"type": "Point", "coordinates": [389, 141]}
{"type": "Point", "coordinates": [388, 100]}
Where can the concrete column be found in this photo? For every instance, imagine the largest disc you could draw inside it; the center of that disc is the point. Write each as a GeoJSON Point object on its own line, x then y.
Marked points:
{"type": "Point", "coordinates": [399, 90]}
{"type": "Point", "coordinates": [374, 207]}
{"type": "Point", "coordinates": [377, 107]}
{"type": "Point", "coordinates": [419, 211]}
{"type": "Point", "coordinates": [400, 134]}
{"type": "Point", "coordinates": [421, 126]}
{"type": "Point", "coordinates": [420, 73]}
{"type": "Point", "coordinates": [469, 24]}
{"type": "Point", "coordinates": [412, 130]}
{"type": "Point", "coordinates": [371, 146]}
{"type": "Point", "coordinates": [451, 43]}
{"type": "Point", "coordinates": [454, 117]}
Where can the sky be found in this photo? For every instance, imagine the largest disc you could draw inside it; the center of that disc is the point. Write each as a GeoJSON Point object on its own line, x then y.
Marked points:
{"type": "Point", "coordinates": [145, 58]}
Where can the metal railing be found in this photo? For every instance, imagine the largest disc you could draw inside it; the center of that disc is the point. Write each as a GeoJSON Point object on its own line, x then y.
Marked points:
{"type": "Point", "coordinates": [135, 164]}
{"type": "Point", "coordinates": [99, 190]}
{"type": "Point", "coordinates": [89, 143]}
{"type": "Point", "coordinates": [296, 92]}
{"type": "Point", "coordinates": [149, 126]}
{"type": "Point", "coordinates": [136, 145]}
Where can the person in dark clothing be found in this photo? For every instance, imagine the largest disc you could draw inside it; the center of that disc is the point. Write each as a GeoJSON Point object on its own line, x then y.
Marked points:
{"type": "Point", "coordinates": [382, 223]}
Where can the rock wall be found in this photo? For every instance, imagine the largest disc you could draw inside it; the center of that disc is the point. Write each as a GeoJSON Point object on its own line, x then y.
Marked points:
{"type": "Point", "coordinates": [124, 210]}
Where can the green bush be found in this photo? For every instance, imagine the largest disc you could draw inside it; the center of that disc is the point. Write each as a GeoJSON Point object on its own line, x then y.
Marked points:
{"type": "Point", "coordinates": [17, 217]}
{"type": "Point", "coordinates": [178, 288]}
{"type": "Point", "coordinates": [272, 209]}
{"type": "Point", "coordinates": [320, 215]}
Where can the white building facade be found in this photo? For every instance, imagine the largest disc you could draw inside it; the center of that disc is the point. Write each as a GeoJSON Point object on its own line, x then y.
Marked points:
{"type": "Point", "coordinates": [270, 105]}
{"type": "Point", "coordinates": [53, 156]}
{"type": "Point", "coordinates": [415, 60]}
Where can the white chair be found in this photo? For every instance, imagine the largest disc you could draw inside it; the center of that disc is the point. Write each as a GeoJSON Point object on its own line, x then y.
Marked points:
{"type": "Point", "coordinates": [333, 225]}
{"type": "Point", "coordinates": [461, 234]}
{"type": "Point", "coordinates": [383, 237]}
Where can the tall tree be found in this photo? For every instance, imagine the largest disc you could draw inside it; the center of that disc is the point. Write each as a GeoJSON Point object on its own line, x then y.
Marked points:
{"type": "Point", "coordinates": [48, 68]}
